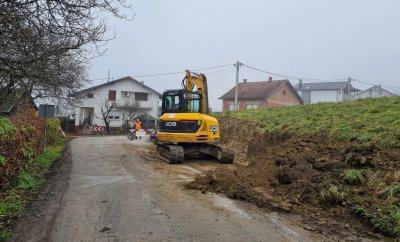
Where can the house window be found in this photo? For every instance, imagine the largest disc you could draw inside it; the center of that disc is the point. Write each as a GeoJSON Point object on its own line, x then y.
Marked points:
{"type": "Point", "coordinates": [114, 116]}
{"type": "Point", "coordinates": [251, 106]}
{"type": "Point", "coordinates": [141, 96]}
{"type": "Point", "coordinates": [284, 92]}
{"type": "Point", "coordinates": [231, 106]}
{"type": "Point", "coordinates": [125, 94]}
{"type": "Point", "coordinates": [112, 95]}
{"type": "Point", "coordinates": [90, 95]}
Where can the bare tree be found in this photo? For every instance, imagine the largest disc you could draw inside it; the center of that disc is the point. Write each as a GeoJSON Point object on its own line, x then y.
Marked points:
{"type": "Point", "coordinates": [130, 107]}
{"type": "Point", "coordinates": [106, 109]}
{"type": "Point", "coordinates": [45, 45]}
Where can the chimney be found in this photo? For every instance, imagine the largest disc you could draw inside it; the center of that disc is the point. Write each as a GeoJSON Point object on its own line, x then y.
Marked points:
{"type": "Point", "coordinates": [270, 78]}
{"type": "Point", "coordinates": [244, 80]}
{"type": "Point", "coordinates": [300, 83]}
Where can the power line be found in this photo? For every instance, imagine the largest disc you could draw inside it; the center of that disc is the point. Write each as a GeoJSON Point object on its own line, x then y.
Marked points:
{"type": "Point", "coordinates": [371, 84]}
{"type": "Point", "coordinates": [167, 73]}
{"type": "Point", "coordinates": [352, 79]}
{"type": "Point", "coordinates": [159, 74]}
{"type": "Point", "coordinates": [294, 77]}
{"type": "Point", "coordinates": [214, 67]}
{"type": "Point", "coordinates": [218, 71]}
{"type": "Point", "coordinates": [241, 73]}
{"type": "Point", "coordinates": [221, 78]}
{"type": "Point", "coordinates": [271, 73]}
{"type": "Point", "coordinates": [390, 86]}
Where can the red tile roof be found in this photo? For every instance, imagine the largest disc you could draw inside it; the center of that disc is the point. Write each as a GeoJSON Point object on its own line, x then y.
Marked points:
{"type": "Point", "coordinates": [254, 90]}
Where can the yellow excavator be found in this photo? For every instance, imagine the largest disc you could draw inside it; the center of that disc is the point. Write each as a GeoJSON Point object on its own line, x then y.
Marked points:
{"type": "Point", "coordinates": [186, 125]}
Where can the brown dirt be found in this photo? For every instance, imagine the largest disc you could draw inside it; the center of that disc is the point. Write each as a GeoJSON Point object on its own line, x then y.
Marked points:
{"type": "Point", "coordinates": [288, 173]}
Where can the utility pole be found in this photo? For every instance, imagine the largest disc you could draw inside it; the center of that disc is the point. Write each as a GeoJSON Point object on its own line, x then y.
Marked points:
{"type": "Point", "coordinates": [238, 64]}
{"type": "Point", "coordinates": [45, 127]}
{"type": "Point", "coordinates": [379, 90]}
{"type": "Point", "coordinates": [348, 88]}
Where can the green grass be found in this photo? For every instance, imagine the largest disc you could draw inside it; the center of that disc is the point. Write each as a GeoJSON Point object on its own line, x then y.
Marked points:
{"type": "Point", "coordinates": [50, 154]}
{"type": "Point", "coordinates": [231, 193]}
{"type": "Point", "coordinates": [367, 121]}
{"type": "Point", "coordinates": [358, 209]}
{"type": "Point", "coordinates": [4, 236]}
{"type": "Point", "coordinates": [393, 189]}
{"type": "Point", "coordinates": [387, 223]}
{"type": "Point", "coordinates": [12, 206]}
{"type": "Point", "coordinates": [2, 160]}
{"type": "Point", "coordinates": [332, 196]}
{"type": "Point", "coordinates": [27, 181]}
{"type": "Point", "coordinates": [31, 178]}
{"type": "Point", "coordinates": [353, 177]}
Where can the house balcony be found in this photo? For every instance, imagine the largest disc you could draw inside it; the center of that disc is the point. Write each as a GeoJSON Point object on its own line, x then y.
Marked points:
{"type": "Point", "coordinates": [144, 105]}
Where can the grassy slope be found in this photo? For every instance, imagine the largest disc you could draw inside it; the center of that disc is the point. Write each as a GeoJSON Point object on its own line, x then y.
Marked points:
{"type": "Point", "coordinates": [368, 121]}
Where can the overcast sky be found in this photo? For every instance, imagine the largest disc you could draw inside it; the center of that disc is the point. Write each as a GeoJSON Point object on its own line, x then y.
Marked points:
{"type": "Point", "coordinates": [310, 39]}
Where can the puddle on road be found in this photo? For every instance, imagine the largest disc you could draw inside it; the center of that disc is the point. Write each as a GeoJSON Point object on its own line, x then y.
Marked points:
{"type": "Point", "coordinates": [105, 180]}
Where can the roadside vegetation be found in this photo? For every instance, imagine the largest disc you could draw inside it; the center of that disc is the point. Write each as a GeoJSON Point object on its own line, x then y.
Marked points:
{"type": "Point", "coordinates": [367, 121]}
{"type": "Point", "coordinates": [23, 162]}
{"type": "Point", "coordinates": [338, 160]}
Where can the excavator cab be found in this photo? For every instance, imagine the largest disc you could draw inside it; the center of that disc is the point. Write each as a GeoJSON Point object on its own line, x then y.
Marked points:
{"type": "Point", "coordinates": [185, 124]}
{"type": "Point", "coordinates": [181, 101]}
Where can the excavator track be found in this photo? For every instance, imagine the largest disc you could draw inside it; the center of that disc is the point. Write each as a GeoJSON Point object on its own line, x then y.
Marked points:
{"type": "Point", "coordinates": [172, 154]}
{"type": "Point", "coordinates": [224, 155]}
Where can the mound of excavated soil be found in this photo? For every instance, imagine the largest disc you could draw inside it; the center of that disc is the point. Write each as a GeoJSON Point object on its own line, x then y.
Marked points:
{"type": "Point", "coordinates": [290, 174]}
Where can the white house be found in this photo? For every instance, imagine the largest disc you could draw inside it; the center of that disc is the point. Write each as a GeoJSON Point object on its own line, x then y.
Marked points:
{"type": "Point", "coordinates": [374, 92]}
{"type": "Point", "coordinates": [131, 99]}
{"type": "Point", "coordinates": [325, 91]}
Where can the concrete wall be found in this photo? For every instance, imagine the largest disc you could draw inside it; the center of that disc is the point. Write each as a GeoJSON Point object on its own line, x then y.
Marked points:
{"type": "Point", "coordinates": [283, 96]}
{"type": "Point", "coordinates": [101, 94]}
{"type": "Point", "coordinates": [318, 96]}
{"type": "Point", "coordinates": [226, 104]}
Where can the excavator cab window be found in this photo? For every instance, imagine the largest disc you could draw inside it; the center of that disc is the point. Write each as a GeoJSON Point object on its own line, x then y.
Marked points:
{"type": "Point", "coordinates": [172, 103]}
{"type": "Point", "coordinates": [192, 102]}
{"type": "Point", "coordinates": [181, 101]}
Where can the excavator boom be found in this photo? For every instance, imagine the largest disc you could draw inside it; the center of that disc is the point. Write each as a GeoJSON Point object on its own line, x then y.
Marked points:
{"type": "Point", "coordinates": [192, 80]}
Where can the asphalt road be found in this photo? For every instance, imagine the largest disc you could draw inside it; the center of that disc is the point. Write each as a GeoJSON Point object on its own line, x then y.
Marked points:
{"type": "Point", "coordinates": [119, 191]}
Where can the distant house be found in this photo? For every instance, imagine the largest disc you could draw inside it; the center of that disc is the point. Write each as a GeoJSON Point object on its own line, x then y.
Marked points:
{"type": "Point", "coordinates": [264, 94]}
{"type": "Point", "coordinates": [132, 99]}
{"type": "Point", "coordinates": [325, 91]}
{"type": "Point", "coordinates": [374, 92]}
